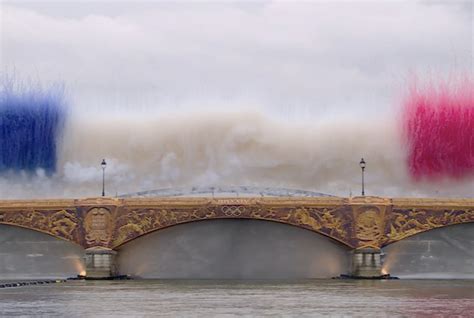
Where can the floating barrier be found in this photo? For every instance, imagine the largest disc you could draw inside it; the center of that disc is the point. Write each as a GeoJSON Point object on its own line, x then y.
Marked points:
{"type": "Point", "coordinates": [117, 277]}
{"type": "Point", "coordinates": [384, 276]}
{"type": "Point", "coordinates": [31, 283]}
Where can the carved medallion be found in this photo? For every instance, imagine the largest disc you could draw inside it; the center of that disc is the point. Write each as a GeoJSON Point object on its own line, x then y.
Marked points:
{"type": "Point", "coordinates": [368, 227]}
{"type": "Point", "coordinates": [98, 226]}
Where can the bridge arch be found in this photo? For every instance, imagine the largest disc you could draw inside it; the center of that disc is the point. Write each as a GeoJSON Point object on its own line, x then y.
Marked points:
{"type": "Point", "coordinates": [29, 253]}
{"type": "Point", "coordinates": [58, 220]}
{"type": "Point", "coordinates": [419, 231]}
{"type": "Point", "coordinates": [43, 231]}
{"type": "Point", "coordinates": [405, 222]}
{"type": "Point", "coordinates": [442, 252]}
{"type": "Point", "coordinates": [233, 248]}
{"type": "Point", "coordinates": [136, 233]}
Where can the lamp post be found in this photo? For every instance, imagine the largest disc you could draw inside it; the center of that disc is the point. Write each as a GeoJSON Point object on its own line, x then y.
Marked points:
{"type": "Point", "coordinates": [362, 166]}
{"type": "Point", "coordinates": [103, 165]}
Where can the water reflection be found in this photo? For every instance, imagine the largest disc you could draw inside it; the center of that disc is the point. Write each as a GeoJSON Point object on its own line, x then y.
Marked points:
{"type": "Point", "coordinates": [231, 298]}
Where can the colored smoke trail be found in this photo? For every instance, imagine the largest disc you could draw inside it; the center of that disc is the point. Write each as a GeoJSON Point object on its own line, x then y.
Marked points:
{"type": "Point", "coordinates": [31, 123]}
{"type": "Point", "coordinates": [155, 150]}
{"type": "Point", "coordinates": [439, 131]}
{"type": "Point", "coordinates": [152, 149]}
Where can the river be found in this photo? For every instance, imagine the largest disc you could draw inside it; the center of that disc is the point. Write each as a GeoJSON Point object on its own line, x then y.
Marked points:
{"type": "Point", "coordinates": [232, 298]}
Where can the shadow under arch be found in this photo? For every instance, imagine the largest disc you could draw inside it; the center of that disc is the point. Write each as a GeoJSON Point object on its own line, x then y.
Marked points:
{"type": "Point", "coordinates": [139, 235]}
{"type": "Point", "coordinates": [442, 252]}
{"type": "Point", "coordinates": [31, 254]}
{"type": "Point", "coordinates": [235, 248]}
{"type": "Point", "coordinates": [43, 232]}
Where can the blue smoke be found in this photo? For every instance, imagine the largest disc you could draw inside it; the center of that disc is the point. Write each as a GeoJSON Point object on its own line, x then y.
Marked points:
{"type": "Point", "coordinates": [31, 123]}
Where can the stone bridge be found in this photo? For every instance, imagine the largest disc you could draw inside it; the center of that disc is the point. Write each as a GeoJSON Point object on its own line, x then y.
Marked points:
{"type": "Point", "coordinates": [364, 224]}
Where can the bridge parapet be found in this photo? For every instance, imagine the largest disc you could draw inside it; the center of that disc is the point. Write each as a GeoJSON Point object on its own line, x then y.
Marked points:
{"type": "Point", "coordinates": [357, 222]}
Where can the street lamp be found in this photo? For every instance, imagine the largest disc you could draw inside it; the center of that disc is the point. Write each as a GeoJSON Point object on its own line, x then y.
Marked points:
{"type": "Point", "coordinates": [103, 165]}
{"type": "Point", "coordinates": [362, 166]}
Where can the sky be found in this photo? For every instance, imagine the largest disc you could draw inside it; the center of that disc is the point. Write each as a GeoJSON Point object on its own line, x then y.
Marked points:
{"type": "Point", "coordinates": [291, 58]}
{"type": "Point", "coordinates": [268, 93]}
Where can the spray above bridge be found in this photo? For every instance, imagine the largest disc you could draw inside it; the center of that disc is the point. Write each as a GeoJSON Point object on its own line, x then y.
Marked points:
{"type": "Point", "coordinates": [225, 191]}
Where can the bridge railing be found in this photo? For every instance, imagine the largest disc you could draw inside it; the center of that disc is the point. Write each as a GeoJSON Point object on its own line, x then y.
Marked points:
{"type": "Point", "coordinates": [219, 191]}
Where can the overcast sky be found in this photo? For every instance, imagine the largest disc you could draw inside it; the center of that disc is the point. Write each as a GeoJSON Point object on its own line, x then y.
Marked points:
{"type": "Point", "coordinates": [288, 58]}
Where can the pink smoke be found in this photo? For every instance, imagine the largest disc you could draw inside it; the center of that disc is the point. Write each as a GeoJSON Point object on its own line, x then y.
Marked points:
{"type": "Point", "coordinates": [438, 130]}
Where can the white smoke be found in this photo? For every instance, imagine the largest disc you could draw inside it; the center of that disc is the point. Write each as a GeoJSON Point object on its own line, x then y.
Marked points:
{"type": "Point", "coordinates": [152, 151]}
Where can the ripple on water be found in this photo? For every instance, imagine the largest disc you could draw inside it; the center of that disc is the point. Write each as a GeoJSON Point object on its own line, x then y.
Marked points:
{"type": "Point", "coordinates": [243, 298]}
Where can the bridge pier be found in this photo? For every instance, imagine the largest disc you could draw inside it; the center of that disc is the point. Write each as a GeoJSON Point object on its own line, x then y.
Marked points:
{"type": "Point", "coordinates": [100, 263]}
{"type": "Point", "coordinates": [366, 263]}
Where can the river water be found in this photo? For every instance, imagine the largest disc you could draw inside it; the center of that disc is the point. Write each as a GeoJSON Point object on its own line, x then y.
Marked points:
{"type": "Point", "coordinates": [213, 298]}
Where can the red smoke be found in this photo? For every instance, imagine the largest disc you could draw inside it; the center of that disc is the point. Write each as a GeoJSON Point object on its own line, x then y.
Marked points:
{"type": "Point", "coordinates": [438, 131]}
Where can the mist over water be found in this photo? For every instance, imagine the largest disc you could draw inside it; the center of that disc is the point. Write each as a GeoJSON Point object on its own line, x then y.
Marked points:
{"type": "Point", "coordinates": [235, 249]}
{"type": "Point", "coordinates": [27, 254]}
{"type": "Point", "coordinates": [441, 253]}
{"type": "Point", "coordinates": [238, 249]}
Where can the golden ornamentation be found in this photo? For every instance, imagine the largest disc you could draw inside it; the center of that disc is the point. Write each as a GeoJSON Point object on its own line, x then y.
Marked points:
{"type": "Point", "coordinates": [331, 222]}
{"type": "Point", "coordinates": [355, 222]}
{"type": "Point", "coordinates": [97, 224]}
{"type": "Point", "coordinates": [368, 226]}
{"type": "Point", "coordinates": [135, 222]}
{"type": "Point", "coordinates": [62, 223]}
{"type": "Point", "coordinates": [407, 222]}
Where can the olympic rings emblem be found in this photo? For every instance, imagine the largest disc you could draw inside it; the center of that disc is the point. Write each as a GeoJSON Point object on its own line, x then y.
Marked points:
{"type": "Point", "coordinates": [233, 210]}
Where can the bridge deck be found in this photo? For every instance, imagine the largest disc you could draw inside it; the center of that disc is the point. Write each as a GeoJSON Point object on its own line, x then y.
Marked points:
{"type": "Point", "coordinates": [356, 222]}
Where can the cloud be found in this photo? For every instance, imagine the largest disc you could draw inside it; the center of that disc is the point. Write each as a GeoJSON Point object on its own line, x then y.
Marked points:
{"type": "Point", "coordinates": [304, 57]}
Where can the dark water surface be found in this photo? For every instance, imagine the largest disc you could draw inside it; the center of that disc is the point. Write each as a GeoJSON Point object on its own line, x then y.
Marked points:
{"type": "Point", "coordinates": [212, 298]}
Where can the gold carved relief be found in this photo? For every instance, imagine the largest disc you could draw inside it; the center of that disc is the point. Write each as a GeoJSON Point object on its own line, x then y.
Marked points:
{"type": "Point", "coordinates": [133, 223]}
{"type": "Point", "coordinates": [60, 223]}
{"type": "Point", "coordinates": [357, 222]}
{"type": "Point", "coordinates": [368, 226]}
{"type": "Point", "coordinates": [407, 222]}
{"type": "Point", "coordinates": [139, 221]}
{"type": "Point", "coordinates": [327, 221]}
{"type": "Point", "coordinates": [63, 224]}
{"type": "Point", "coordinates": [302, 216]}
{"type": "Point", "coordinates": [98, 226]}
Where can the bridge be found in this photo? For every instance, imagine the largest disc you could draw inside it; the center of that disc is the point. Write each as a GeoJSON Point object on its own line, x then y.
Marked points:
{"type": "Point", "coordinates": [364, 224]}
